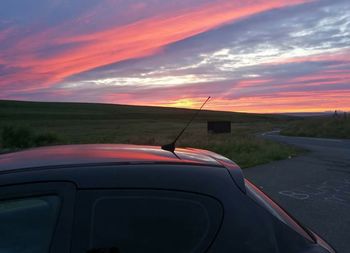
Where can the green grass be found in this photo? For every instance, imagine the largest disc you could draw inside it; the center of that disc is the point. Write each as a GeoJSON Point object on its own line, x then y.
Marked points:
{"type": "Point", "coordinates": [19, 137]}
{"type": "Point", "coordinates": [70, 123]}
{"type": "Point", "coordinates": [321, 127]}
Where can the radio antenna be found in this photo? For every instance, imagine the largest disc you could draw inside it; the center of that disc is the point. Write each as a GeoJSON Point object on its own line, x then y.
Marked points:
{"type": "Point", "coordinates": [171, 146]}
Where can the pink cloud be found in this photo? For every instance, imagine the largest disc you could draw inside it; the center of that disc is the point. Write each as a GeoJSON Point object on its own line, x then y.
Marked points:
{"type": "Point", "coordinates": [96, 49]}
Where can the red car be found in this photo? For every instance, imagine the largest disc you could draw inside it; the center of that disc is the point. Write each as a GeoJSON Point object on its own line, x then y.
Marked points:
{"type": "Point", "coordinates": [132, 199]}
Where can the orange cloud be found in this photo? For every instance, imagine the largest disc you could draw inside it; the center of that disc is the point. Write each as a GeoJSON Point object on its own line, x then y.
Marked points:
{"type": "Point", "coordinates": [315, 101]}
{"type": "Point", "coordinates": [321, 91]}
{"type": "Point", "coordinates": [133, 40]}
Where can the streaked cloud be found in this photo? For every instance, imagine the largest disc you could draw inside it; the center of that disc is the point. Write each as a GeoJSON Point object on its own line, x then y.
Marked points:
{"type": "Point", "coordinates": [250, 56]}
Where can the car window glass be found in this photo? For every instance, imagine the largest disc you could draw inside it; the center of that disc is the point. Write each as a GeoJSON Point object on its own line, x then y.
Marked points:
{"type": "Point", "coordinates": [27, 224]}
{"type": "Point", "coordinates": [148, 224]}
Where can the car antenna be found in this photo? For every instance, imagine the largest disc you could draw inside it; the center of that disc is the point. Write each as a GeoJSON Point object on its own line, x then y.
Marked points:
{"type": "Point", "coordinates": [171, 146]}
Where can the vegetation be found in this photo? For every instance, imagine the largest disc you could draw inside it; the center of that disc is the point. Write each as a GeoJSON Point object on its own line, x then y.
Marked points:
{"type": "Point", "coordinates": [26, 124]}
{"type": "Point", "coordinates": [20, 137]}
{"type": "Point", "coordinates": [322, 127]}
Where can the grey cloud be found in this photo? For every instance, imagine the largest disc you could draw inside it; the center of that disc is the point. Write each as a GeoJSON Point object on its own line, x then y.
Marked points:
{"type": "Point", "coordinates": [280, 29]}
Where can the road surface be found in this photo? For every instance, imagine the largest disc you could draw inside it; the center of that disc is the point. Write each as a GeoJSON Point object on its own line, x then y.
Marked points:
{"type": "Point", "coordinates": [314, 187]}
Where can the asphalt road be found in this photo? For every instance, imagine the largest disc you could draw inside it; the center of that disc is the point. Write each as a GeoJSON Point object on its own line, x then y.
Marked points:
{"type": "Point", "coordinates": [315, 187]}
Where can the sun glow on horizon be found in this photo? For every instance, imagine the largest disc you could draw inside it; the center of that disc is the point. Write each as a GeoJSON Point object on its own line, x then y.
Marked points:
{"type": "Point", "coordinates": [187, 103]}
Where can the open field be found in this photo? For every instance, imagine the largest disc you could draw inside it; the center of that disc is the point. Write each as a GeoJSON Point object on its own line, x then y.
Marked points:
{"type": "Point", "coordinates": [68, 123]}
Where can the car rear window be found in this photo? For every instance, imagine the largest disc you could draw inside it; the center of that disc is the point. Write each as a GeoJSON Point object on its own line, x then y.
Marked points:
{"type": "Point", "coordinates": [133, 224]}
{"type": "Point", "coordinates": [27, 224]}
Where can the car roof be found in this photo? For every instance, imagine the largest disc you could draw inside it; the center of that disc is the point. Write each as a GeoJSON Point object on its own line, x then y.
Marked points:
{"type": "Point", "coordinates": [101, 153]}
{"type": "Point", "coordinates": [63, 159]}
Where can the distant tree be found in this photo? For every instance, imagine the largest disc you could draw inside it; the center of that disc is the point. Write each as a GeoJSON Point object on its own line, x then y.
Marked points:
{"type": "Point", "coordinates": [335, 115]}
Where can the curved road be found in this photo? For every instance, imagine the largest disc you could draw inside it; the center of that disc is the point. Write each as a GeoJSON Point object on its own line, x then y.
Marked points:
{"type": "Point", "coordinates": [314, 187]}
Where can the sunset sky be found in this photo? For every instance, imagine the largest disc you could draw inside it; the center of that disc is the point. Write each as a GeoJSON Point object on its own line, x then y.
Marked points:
{"type": "Point", "coordinates": [250, 56]}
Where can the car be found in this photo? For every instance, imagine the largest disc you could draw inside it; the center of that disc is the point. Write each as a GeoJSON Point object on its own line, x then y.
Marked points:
{"type": "Point", "coordinates": [115, 198]}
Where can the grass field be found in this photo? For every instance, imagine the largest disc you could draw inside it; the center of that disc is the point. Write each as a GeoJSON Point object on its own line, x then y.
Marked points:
{"type": "Point", "coordinates": [35, 124]}
{"type": "Point", "coordinates": [321, 127]}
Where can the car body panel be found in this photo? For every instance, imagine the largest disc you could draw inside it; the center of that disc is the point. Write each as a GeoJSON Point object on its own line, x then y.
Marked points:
{"type": "Point", "coordinates": [246, 226]}
{"type": "Point", "coordinates": [98, 153]}
{"type": "Point", "coordinates": [78, 163]}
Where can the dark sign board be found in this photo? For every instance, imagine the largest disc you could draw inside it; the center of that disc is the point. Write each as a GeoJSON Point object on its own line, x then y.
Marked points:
{"type": "Point", "coordinates": [219, 126]}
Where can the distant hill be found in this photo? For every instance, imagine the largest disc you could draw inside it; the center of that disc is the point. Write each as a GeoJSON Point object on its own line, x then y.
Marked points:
{"type": "Point", "coordinates": [312, 114]}
{"type": "Point", "coordinates": [308, 114]}
{"type": "Point", "coordinates": [22, 110]}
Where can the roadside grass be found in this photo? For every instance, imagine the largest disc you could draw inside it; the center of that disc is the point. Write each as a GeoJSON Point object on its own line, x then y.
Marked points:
{"type": "Point", "coordinates": [321, 127]}
{"type": "Point", "coordinates": [20, 137]}
{"type": "Point", "coordinates": [247, 150]}
{"type": "Point", "coordinates": [69, 123]}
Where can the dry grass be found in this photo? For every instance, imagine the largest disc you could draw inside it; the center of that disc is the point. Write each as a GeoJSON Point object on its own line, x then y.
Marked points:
{"type": "Point", "coordinates": [95, 123]}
